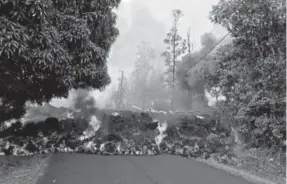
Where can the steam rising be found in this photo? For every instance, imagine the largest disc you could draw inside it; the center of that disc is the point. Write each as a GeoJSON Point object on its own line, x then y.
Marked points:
{"type": "Point", "coordinates": [83, 105]}
{"type": "Point", "coordinates": [161, 128]}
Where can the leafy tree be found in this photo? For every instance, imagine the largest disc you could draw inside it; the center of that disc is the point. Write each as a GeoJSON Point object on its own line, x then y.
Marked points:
{"type": "Point", "coordinates": [141, 74]}
{"type": "Point", "coordinates": [251, 70]}
{"type": "Point", "coordinates": [176, 46]}
{"type": "Point", "coordinates": [50, 47]}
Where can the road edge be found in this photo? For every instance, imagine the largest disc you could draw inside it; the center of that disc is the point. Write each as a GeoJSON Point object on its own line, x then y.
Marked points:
{"type": "Point", "coordinates": [43, 168]}
{"type": "Point", "coordinates": [241, 173]}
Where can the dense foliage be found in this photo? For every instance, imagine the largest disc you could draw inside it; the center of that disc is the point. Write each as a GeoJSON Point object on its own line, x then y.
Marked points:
{"type": "Point", "coordinates": [250, 71]}
{"type": "Point", "coordinates": [50, 47]}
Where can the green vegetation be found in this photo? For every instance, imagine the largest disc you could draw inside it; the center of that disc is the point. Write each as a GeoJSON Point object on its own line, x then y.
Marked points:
{"type": "Point", "coordinates": [50, 47]}
{"type": "Point", "coordinates": [250, 71]}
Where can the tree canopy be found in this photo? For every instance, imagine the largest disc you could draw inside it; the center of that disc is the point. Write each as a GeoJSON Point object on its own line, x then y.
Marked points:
{"type": "Point", "coordinates": [50, 47]}
{"type": "Point", "coordinates": [251, 70]}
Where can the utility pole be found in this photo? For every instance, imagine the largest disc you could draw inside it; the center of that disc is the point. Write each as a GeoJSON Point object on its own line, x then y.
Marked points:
{"type": "Point", "coordinates": [188, 40]}
{"type": "Point", "coordinates": [190, 48]}
{"type": "Point", "coordinates": [189, 44]}
{"type": "Point", "coordinates": [120, 91]}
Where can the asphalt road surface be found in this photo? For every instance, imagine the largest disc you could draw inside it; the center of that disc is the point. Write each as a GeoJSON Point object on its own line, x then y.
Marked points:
{"type": "Point", "coordinates": [163, 169]}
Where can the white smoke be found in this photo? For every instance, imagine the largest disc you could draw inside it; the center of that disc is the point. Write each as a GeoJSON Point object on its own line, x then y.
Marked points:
{"type": "Point", "coordinates": [212, 100]}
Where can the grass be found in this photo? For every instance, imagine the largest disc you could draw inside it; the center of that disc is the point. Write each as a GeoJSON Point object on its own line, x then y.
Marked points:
{"type": "Point", "coordinates": [22, 170]}
{"type": "Point", "coordinates": [250, 177]}
{"type": "Point", "coordinates": [255, 166]}
{"type": "Point", "coordinates": [262, 166]}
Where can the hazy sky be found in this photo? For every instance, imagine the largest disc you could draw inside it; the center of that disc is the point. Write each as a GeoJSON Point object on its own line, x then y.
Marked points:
{"type": "Point", "coordinates": [150, 20]}
{"type": "Point", "coordinates": [195, 16]}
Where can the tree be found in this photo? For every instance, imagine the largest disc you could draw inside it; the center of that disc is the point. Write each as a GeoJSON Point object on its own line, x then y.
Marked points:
{"type": "Point", "coordinates": [181, 72]}
{"type": "Point", "coordinates": [251, 70]}
{"type": "Point", "coordinates": [50, 47]}
{"type": "Point", "coordinates": [176, 46]}
{"type": "Point", "coordinates": [141, 74]}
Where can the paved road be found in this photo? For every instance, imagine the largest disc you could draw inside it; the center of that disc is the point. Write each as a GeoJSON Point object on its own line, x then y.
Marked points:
{"type": "Point", "coordinates": [164, 169]}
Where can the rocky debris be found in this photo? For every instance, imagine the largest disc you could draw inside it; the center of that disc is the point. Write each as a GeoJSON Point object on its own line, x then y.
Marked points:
{"type": "Point", "coordinates": [129, 134]}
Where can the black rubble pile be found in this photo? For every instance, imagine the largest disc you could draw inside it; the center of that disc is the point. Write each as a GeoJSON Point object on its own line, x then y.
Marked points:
{"type": "Point", "coordinates": [126, 134]}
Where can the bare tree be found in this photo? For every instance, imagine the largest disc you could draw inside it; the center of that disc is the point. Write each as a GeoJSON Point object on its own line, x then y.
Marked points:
{"type": "Point", "coordinates": [175, 47]}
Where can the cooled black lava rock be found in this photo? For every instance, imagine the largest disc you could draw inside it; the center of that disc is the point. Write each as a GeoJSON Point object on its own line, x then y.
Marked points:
{"type": "Point", "coordinates": [163, 147]}
{"type": "Point", "coordinates": [109, 148]}
{"type": "Point", "coordinates": [18, 141]}
{"type": "Point", "coordinates": [205, 155]}
{"type": "Point", "coordinates": [30, 130]}
{"type": "Point", "coordinates": [186, 152]}
{"type": "Point", "coordinates": [152, 126]}
{"type": "Point", "coordinates": [76, 125]}
{"type": "Point", "coordinates": [138, 149]}
{"type": "Point", "coordinates": [72, 143]}
{"type": "Point", "coordinates": [31, 147]}
{"type": "Point", "coordinates": [138, 129]}
{"type": "Point", "coordinates": [113, 137]}
{"type": "Point", "coordinates": [52, 124]}
{"type": "Point", "coordinates": [172, 132]}
{"type": "Point", "coordinates": [189, 142]}
{"type": "Point", "coordinates": [9, 150]}
{"type": "Point", "coordinates": [15, 127]}
{"type": "Point", "coordinates": [59, 141]}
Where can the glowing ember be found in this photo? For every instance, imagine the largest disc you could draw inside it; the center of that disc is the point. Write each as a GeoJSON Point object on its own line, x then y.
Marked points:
{"type": "Point", "coordinates": [115, 114]}
{"type": "Point", "coordinates": [161, 128]}
{"type": "Point", "coordinates": [200, 117]}
{"type": "Point", "coordinates": [95, 125]}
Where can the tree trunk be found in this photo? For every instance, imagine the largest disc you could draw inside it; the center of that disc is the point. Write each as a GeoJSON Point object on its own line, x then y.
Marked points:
{"type": "Point", "coordinates": [189, 101]}
{"type": "Point", "coordinates": [173, 80]}
{"type": "Point", "coordinates": [173, 71]}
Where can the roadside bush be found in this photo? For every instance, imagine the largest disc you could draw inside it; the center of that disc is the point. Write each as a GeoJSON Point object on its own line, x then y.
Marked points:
{"type": "Point", "coordinates": [263, 126]}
